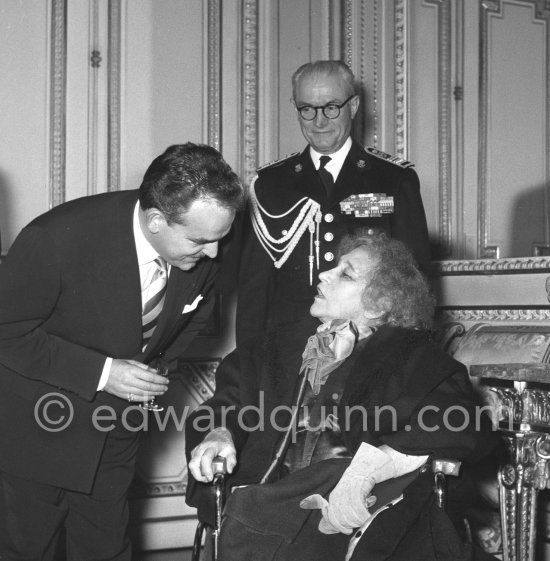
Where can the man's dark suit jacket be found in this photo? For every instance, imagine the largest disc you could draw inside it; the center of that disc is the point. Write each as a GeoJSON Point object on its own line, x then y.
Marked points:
{"type": "Point", "coordinates": [281, 296]}
{"type": "Point", "coordinates": [70, 297]}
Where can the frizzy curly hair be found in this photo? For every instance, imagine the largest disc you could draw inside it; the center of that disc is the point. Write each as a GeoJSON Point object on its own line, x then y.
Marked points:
{"type": "Point", "coordinates": [395, 288]}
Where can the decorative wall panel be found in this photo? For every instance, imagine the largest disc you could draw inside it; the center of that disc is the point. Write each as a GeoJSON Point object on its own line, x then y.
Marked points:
{"type": "Point", "coordinates": [514, 125]}
{"type": "Point", "coordinates": [361, 51]}
{"type": "Point", "coordinates": [214, 37]}
{"type": "Point", "coordinates": [250, 89]}
{"type": "Point", "coordinates": [115, 95]}
{"type": "Point", "coordinates": [57, 100]}
{"type": "Point", "coordinates": [444, 113]}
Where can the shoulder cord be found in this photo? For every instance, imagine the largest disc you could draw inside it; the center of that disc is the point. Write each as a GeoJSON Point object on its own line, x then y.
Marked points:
{"type": "Point", "coordinates": [309, 218]}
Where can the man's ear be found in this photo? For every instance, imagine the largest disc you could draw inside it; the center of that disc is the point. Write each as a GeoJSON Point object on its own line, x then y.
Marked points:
{"type": "Point", "coordinates": [154, 219]}
{"type": "Point", "coordinates": [354, 105]}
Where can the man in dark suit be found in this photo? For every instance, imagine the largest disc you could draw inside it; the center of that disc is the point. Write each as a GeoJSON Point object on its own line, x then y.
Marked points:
{"type": "Point", "coordinates": [302, 205]}
{"type": "Point", "coordinates": [91, 294]}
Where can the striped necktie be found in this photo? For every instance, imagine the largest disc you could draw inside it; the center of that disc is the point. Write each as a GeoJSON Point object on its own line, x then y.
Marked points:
{"type": "Point", "coordinates": [153, 297]}
{"type": "Point", "coordinates": [326, 176]}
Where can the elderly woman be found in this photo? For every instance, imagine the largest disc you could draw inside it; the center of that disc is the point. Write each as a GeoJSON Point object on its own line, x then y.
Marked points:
{"type": "Point", "coordinates": [321, 443]}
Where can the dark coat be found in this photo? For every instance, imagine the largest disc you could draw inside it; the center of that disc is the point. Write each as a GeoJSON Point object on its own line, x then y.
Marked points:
{"type": "Point", "coordinates": [396, 367]}
{"type": "Point", "coordinates": [282, 296]}
{"type": "Point", "coordinates": [70, 296]}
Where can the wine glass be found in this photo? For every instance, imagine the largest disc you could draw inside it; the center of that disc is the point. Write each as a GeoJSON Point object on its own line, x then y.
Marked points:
{"type": "Point", "coordinates": [161, 366]}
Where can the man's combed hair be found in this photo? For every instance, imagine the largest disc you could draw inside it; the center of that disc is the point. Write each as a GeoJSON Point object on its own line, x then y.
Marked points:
{"type": "Point", "coordinates": [185, 173]}
{"type": "Point", "coordinates": [324, 68]}
{"type": "Point", "coordinates": [396, 287]}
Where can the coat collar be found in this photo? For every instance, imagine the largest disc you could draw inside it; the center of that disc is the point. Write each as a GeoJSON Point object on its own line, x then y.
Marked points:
{"type": "Point", "coordinates": [306, 181]}
{"type": "Point", "coordinates": [114, 272]}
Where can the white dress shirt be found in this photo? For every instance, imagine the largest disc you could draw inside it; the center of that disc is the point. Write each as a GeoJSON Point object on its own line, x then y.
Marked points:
{"type": "Point", "coordinates": [146, 256]}
{"type": "Point", "coordinates": [336, 159]}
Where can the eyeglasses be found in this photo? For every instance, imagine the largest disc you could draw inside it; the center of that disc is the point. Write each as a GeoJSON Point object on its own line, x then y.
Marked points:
{"type": "Point", "coordinates": [330, 110]}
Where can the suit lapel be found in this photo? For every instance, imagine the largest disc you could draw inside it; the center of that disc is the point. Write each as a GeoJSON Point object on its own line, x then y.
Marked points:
{"type": "Point", "coordinates": [114, 275]}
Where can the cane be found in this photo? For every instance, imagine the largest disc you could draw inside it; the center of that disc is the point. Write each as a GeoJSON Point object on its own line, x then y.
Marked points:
{"type": "Point", "coordinates": [219, 468]}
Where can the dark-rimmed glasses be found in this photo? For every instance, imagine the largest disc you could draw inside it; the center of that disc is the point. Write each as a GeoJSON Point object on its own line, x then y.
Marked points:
{"type": "Point", "coordinates": [330, 110]}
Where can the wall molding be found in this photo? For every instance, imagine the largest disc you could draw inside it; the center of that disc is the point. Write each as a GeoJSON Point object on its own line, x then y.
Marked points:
{"type": "Point", "coordinates": [95, 61]}
{"type": "Point", "coordinates": [476, 314]}
{"type": "Point", "coordinates": [347, 26]}
{"type": "Point", "coordinates": [214, 93]}
{"type": "Point", "coordinates": [444, 111]}
{"type": "Point", "coordinates": [401, 78]}
{"type": "Point", "coordinates": [492, 266]}
{"type": "Point", "coordinates": [361, 48]}
{"type": "Point", "coordinates": [58, 105]}
{"type": "Point", "coordinates": [115, 95]}
{"type": "Point", "coordinates": [250, 89]}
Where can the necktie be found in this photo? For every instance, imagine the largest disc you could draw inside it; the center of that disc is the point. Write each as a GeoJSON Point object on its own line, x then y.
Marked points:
{"type": "Point", "coordinates": [326, 176]}
{"type": "Point", "coordinates": [153, 294]}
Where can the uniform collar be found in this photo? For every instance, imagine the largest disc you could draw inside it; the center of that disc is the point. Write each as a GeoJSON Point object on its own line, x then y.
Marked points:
{"type": "Point", "coordinates": [336, 159]}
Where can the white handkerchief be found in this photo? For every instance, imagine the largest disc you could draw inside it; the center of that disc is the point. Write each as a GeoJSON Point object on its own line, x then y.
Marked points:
{"type": "Point", "coordinates": [190, 307]}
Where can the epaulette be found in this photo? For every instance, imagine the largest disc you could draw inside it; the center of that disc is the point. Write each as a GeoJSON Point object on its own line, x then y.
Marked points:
{"type": "Point", "coordinates": [389, 158]}
{"type": "Point", "coordinates": [275, 163]}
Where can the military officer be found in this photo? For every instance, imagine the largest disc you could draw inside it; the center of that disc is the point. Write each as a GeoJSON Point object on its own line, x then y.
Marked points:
{"type": "Point", "coordinates": [302, 205]}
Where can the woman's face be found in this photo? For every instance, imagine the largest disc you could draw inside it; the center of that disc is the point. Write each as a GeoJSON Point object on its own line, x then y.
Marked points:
{"type": "Point", "coordinates": [339, 294]}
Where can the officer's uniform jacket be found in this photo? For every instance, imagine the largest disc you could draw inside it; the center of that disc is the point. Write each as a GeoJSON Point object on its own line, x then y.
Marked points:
{"type": "Point", "coordinates": [288, 199]}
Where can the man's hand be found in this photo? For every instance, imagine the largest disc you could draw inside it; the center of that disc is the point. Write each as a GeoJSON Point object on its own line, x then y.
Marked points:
{"type": "Point", "coordinates": [217, 442]}
{"type": "Point", "coordinates": [135, 379]}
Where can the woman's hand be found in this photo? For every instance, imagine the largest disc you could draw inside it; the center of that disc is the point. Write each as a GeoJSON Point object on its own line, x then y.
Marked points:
{"type": "Point", "coordinates": [217, 442]}
{"type": "Point", "coordinates": [348, 504]}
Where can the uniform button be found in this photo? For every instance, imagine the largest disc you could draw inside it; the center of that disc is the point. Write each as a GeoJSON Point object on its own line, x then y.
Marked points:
{"type": "Point", "coordinates": [329, 236]}
{"type": "Point", "coordinates": [284, 232]}
{"type": "Point", "coordinates": [329, 256]}
{"type": "Point", "coordinates": [329, 217]}
{"type": "Point", "coordinates": [370, 231]}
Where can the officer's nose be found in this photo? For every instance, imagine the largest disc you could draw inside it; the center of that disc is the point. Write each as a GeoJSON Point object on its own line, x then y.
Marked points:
{"type": "Point", "coordinates": [320, 118]}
